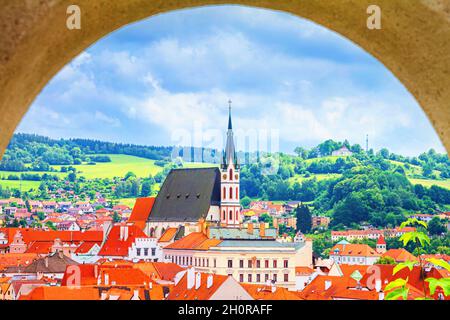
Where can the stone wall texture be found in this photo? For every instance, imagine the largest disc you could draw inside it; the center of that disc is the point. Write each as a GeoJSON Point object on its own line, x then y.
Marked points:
{"type": "Point", "coordinates": [414, 43]}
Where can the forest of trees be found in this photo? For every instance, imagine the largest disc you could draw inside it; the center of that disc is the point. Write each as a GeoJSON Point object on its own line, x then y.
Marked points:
{"type": "Point", "coordinates": [366, 187]}
{"type": "Point", "coordinates": [37, 153]}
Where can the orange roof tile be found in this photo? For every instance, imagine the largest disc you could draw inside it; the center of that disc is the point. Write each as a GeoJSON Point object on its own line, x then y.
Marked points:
{"type": "Point", "coordinates": [194, 241]}
{"type": "Point", "coordinates": [400, 255]}
{"type": "Point", "coordinates": [114, 246]}
{"type": "Point", "coordinates": [168, 235]}
{"type": "Point", "coordinates": [260, 292]}
{"type": "Point", "coordinates": [359, 250]}
{"type": "Point", "coordinates": [141, 211]}
{"type": "Point", "coordinates": [62, 293]}
{"type": "Point", "coordinates": [180, 291]}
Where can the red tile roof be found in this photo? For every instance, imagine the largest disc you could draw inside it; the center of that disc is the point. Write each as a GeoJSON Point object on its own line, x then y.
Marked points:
{"type": "Point", "coordinates": [168, 235]}
{"type": "Point", "coordinates": [115, 246]}
{"type": "Point", "coordinates": [180, 291]}
{"type": "Point", "coordinates": [261, 292]}
{"type": "Point", "coordinates": [194, 241]}
{"type": "Point", "coordinates": [85, 247]}
{"type": "Point", "coordinates": [62, 293]}
{"type": "Point", "coordinates": [400, 255]}
{"type": "Point", "coordinates": [141, 211]}
{"type": "Point", "coordinates": [381, 240]}
{"type": "Point", "coordinates": [357, 250]}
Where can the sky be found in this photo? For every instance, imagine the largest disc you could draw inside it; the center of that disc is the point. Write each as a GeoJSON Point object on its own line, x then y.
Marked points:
{"type": "Point", "coordinates": [167, 80]}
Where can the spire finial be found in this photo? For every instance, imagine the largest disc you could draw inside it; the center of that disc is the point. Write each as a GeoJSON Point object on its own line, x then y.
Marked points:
{"type": "Point", "coordinates": [229, 114]}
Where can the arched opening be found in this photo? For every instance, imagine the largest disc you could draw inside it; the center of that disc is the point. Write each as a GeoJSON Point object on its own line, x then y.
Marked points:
{"type": "Point", "coordinates": [420, 65]}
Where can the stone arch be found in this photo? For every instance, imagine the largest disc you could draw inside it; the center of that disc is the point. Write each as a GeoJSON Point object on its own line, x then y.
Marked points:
{"type": "Point", "coordinates": [413, 43]}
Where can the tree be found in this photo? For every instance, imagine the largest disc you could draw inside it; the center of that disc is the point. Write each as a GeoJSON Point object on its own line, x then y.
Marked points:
{"type": "Point", "coordinates": [436, 226]}
{"type": "Point", "coordinates": [71, 177]}
{"type": "Point", "coordinates": [129, 175]}
{"type": "Point", "coordinates": [386, 260]}
{"type": "Point", "coordinates": [245, 202]}
{"type": "Point", "coordinates": [146, 188]}
{"type": "Point", "coordinates": [116, 217]}
{"type": "Point", "coordinates": [303, 215]}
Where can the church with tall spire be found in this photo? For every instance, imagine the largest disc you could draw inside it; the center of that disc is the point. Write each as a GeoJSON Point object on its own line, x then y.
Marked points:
{"type": "Point", "coordinates": [230, 207]}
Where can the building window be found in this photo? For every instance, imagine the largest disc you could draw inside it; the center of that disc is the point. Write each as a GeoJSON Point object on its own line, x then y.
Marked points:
{"type": "Point", "coordinates": [215, 262]}
{"type": "Point", "coordinates": [241, 278]}
{"type": "Point", "coordinates": [231, 215]}
{"type": "Point", "coordinates": [249, 278]}
{"type": "Point", "coordinates": [230, 263]}
{"type": "Point", "coordinates": [237, 193]}
{"type": "Point", "coordinates": [231, 174]}
{"type": "Point", "coordinates": [249, 263]}
{"type": "Point", "coordinates": [266, 264]}
{"type": "Point", "coordinates": [231, 193]}
{"type": "Point", "coordinates": [224, 215]}
{"type": "Point", "coordinates": [138, 251]}
{"type": "Point", "coordinates": [258, 278]}
{"type": "Point", "coordinates": [207, 262]}
{"type": "Point", "coordinates": [266, 277]}
{"type": "Point", "coordinates": [241, 263]}
{"type": "Point", "coordinates": [286, 263]}
{"type": "Point", "coordinates": [258, 263]}
{"type": "Point", "coordinates": [145, 251]}
{"type": "Point", "coordinates": [286, 277]}
{"type": "Point", "coordinates": [274, 263]}
{"type": "Point", "coordinates": [153, 251]}
{"type": "Point", "coordinates": [237, 215]}
{"type": "Point", "coordinates": [274, 278]}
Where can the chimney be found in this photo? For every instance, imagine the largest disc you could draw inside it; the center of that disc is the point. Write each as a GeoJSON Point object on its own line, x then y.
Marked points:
{"type": "Point", "coordinates": [198, 280]}
{"type": "Point", "coordinates": [106, 228]}
{"type": "Point", "coordinates": [190, 278]}
{"type": "Point", "coordinates": [327, 284]}
{"type": "Point", "coordinates": [135, 295]}
{"type": "Point", "coordinates": [262, 229]}
{"type": "Point", "coordinates": [250, 228]}
{"type": "Point", "coordinates": [209, 281]}
{"type": "Point", "coordinates": [106, 279]}
{"type": "Point", "coordinates": [125, 233]}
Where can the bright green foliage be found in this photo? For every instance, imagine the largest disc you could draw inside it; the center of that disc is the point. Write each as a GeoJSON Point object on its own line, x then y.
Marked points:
{"type": "Point", "coordinates": [399, 285]}
{"type": "Point", "coordinates": [407, 264]}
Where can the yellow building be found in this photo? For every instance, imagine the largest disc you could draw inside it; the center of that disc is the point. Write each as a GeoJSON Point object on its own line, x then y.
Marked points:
{"type": "Point", "coordinates": [257, 261]}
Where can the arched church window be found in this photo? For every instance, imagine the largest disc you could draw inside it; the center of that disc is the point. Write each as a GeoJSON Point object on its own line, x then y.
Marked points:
{"type": "Point", "coordinates": [231, 215]}
{"type": "Point", "coordinates": [231, 174]}
{"type": "Point", "coordinates": [231, 193]}
{"type": "Point", "coordinates": [224, 215]}
{"type": "Point", "coordinates": [224, 193]}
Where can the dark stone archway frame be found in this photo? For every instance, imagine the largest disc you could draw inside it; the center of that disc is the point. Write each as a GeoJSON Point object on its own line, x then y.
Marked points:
{"type": "Point", "coordinates": [414, 43]}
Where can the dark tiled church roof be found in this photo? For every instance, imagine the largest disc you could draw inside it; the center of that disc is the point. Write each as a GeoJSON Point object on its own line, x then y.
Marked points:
{"type": "Point", "coordinates": [186, 195]}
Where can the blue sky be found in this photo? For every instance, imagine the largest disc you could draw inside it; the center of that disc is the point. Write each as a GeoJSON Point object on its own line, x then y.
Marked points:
{"type": "Point", "coordinates": [166, 80]}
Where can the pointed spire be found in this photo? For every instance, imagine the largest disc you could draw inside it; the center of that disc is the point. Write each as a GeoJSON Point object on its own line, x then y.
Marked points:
{"type": "Point", "coordinates": [229, 152]}
{"type": "Point", "coordinates": [229, 115]}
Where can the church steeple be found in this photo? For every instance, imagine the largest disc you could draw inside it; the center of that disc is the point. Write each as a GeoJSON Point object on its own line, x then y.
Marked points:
{"type": "Point", "coordinates": [230, 151]}
{"type": "Point", "coordinates": [230, 208]}
{"type": "Point", "coordinates": [230, 127]}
